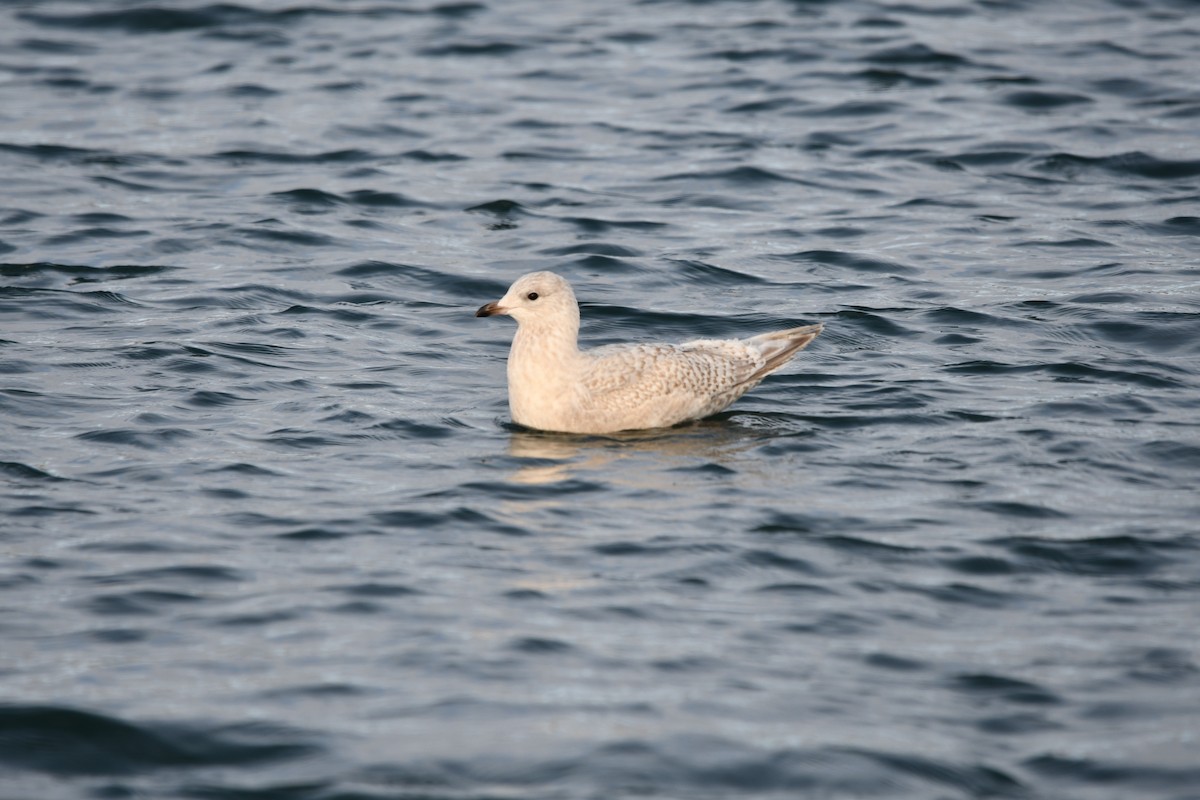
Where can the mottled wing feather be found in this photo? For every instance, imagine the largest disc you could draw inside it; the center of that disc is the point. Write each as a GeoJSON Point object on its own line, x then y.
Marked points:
{"type": "Point", "coordinates": [693, 377]}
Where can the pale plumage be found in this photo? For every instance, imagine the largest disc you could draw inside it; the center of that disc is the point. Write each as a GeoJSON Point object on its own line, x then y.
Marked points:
{"type": "Point", "coordinates": [555, 386]}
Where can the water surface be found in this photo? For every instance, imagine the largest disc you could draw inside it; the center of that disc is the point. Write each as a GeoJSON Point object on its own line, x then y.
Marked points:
{"type": "Point", "coordinates": [269, 533]}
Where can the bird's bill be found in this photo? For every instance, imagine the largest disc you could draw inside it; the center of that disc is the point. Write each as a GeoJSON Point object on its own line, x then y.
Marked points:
{"type": "Point", "coordinates": [490, 309]}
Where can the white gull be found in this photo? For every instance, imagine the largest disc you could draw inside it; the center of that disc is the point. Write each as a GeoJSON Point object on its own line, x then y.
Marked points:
{"type": "Point", "coordinates": [555, 386]}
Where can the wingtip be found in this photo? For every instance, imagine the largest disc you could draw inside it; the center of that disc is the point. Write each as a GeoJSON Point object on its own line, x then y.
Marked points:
{"type": "Point", "coordinates": [805, 330]}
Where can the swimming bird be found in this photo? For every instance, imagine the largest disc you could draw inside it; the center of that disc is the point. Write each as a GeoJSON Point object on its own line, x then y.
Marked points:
{"type": "Point", "coordinates": [555, 386]}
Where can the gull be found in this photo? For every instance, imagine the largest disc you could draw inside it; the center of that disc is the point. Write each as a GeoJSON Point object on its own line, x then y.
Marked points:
{"type": "Point", "coordinates": [555, 386]}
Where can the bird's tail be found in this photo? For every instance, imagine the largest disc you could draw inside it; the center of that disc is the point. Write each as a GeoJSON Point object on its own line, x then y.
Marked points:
{"type": "Point", "coordinates": [778, 347]}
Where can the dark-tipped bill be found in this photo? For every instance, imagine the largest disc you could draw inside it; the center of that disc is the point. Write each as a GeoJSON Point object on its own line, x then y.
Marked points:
{"type": "Point", "coordinates": [488, 309]}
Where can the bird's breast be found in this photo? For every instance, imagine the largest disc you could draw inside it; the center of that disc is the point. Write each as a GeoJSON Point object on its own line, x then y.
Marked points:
{"type": "Point", "coordinates": [543, 381]}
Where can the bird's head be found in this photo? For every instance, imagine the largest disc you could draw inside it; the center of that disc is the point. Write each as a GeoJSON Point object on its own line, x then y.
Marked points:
{"type": "Point", "coordinates": [535, 297]}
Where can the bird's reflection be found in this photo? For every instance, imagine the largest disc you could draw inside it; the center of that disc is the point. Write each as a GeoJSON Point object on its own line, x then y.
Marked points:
{"type": "Point", "coordinates": [553, 468]}
{"type": "Point", "coordinates": [554, 457]}
{"type": "Point", "coordinates": [554, 478]}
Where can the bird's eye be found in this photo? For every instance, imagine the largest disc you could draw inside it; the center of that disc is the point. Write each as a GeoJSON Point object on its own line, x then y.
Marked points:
{"type": "Point", "coordinates": [532, 296]}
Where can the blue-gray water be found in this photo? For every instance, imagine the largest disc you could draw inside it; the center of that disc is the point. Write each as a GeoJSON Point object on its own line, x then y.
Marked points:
{"type": "Point", "coordinates": [268, 534]}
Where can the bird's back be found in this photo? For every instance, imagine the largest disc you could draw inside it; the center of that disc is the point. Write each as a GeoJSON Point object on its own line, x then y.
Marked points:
{"type": "Point", "coordinates": [656, 385]}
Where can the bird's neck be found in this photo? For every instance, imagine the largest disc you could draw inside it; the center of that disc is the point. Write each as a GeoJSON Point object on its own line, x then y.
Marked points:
{"type": "Point", "coordinates": [555, 346]}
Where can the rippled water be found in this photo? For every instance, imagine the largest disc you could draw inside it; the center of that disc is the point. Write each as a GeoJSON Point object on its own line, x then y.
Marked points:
{"type": "Point", "coordinates": [269, 533]}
